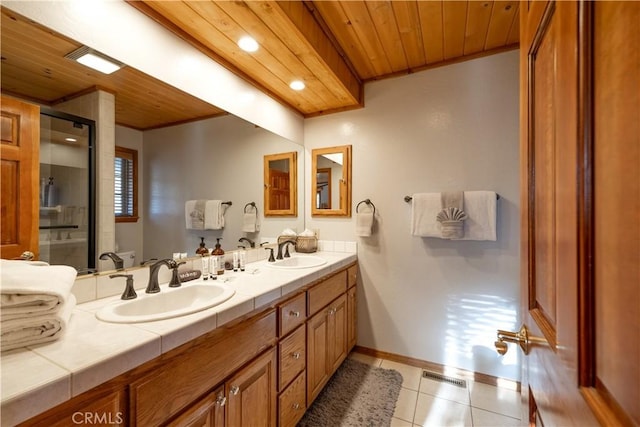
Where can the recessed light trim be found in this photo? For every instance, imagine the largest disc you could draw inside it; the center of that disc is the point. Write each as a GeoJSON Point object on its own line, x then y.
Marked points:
{"type": "Point", "coordinates": [71, 139]}
{"type": "Point", "coordinates": [297, 85]}
{"type": "Point", "coordinates": [94, 59]}
{"type": "Point", "coordinates": [248, 44]}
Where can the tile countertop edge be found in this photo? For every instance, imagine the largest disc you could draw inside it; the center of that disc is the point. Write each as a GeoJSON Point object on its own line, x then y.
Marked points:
{"type": "Point", "coordinates": [13, 406]}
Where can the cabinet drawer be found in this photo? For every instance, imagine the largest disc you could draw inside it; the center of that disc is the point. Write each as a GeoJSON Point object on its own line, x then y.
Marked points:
{"type": "Point", "coordinates": [292, 402]}
{"type": "Point", "coordinates": [166, 391]}
{"type": "Point", "coordinates": [292, 314]}
{"type": "Point", "coordinates": [292, 356]}
{"type": "Point", "coordinates": [352, 276]}
{"type": "Point", "coordinates": [325, 292]}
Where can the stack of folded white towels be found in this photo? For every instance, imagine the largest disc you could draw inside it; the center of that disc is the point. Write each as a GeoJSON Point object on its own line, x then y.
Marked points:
{"type": "Point", "coordinates": [35, 302]}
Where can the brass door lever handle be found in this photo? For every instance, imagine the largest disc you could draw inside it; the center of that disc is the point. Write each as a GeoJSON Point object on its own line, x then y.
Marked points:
{"type": "Point", "coordinates": [521, 338]}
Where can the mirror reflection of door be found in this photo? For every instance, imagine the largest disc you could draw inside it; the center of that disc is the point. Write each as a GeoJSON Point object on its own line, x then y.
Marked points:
{"type": "Point", "coordinates": [279, 184]}
{"type": "Point", "coordinates": [323, 188]}
{"type": "Point", "coordinates": [329, 168]}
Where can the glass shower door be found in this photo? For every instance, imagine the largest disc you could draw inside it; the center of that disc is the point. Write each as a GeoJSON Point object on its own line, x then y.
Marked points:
{"type": "Point", "coordinates": [67, 190]}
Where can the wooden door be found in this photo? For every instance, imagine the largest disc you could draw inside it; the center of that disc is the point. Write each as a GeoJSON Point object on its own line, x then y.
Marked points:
{"type": "Point", "coordinates": [563, 305]}
{"type": "Point", "coordinates": [19, 195]}
{"type": "Point", "coordinates": [251, 393]}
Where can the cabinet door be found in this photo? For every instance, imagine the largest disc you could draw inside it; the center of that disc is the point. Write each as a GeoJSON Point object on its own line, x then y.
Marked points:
{"type": "Point", "coordinates": [317, 341]}
{"type": "Point", "coordinates": [251, 393]}
{"type": "Point", "coordinates": [337, 333]}
{"type": "Point", "coordinates": [208, 412]}
{"type": "Point", "coordinates": [352, 318]}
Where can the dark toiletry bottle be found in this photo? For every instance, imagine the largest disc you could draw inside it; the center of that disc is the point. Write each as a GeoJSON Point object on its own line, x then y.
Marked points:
{"type": "Point", "coordinates": [202, 250]}
{"type": "Point", "coordinates": [219, 254]}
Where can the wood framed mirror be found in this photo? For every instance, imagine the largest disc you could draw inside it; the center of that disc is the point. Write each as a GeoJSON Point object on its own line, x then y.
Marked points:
{"type": "Point", "coordinates": [331, 181]}
{"type": "Point", "coordinates": [281, 184]}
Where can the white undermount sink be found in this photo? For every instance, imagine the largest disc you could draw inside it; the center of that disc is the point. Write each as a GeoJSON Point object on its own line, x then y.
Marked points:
{"type": "Point", "coordinates": [168, 303]}
{"type": "Point", "coordinates": [294, 262]}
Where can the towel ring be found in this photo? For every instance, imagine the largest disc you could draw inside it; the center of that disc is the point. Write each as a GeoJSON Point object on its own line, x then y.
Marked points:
{"type": "Point", "coordinates": [368, 202]}
{"type": "Point", "coordinates": [250, 204]}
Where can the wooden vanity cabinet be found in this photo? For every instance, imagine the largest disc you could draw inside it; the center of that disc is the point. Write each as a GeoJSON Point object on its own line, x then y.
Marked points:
{"type": "Point", "coordinates": [263, 370]}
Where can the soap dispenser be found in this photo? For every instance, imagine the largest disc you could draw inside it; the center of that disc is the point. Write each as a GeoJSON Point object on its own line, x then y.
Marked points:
{"type": "Point", "coordinates": [202, 250]}
{"type": "Point", "coordinates": [218, 253]}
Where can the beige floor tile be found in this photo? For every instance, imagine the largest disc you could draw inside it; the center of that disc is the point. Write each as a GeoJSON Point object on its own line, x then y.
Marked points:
{"type": "Point", "coordinates": [496, 399]}
{"type": "Point", "coordinates": [397, 422]}
{"type": "Point", "coordinates": [406, 404]}
{"type": "Point", "coordinates": [434, 412]}
{"type": "Point", "coordinates": [482, 418]}
{"type": "Point", "coordinates": [410, 374]}
{"type": "Point", "coordinates": [365, 358]}
{"type": "Point", "coordinates": [444, 390]}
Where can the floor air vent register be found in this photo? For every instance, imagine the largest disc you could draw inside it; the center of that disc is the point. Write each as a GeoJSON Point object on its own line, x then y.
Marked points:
{"type": "Point", "coordinates": [444, 379]}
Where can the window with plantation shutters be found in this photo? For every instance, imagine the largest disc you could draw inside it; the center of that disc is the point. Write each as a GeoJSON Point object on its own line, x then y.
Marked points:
{"type": "Point", "coordinates": [125, 185]}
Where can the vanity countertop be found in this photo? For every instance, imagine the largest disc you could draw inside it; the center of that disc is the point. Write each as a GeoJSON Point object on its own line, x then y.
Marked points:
{"type": "Point", "coordinates": [91, 352]}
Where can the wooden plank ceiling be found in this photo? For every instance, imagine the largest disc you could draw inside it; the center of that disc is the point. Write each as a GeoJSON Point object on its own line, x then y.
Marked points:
{"type": "Point", "coordinates": [333, 46]}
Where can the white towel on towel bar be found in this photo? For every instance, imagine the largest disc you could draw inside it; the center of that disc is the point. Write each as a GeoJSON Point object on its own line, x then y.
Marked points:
{"type": "Point", "coordinates": [214, 215]}
{"type": "Point", "coordinates": [480, 206]}
{"type": "Point", "coordinates": [194, 214]}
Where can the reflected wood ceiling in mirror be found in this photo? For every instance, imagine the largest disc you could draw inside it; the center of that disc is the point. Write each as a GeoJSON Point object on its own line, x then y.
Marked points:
{"type": "Point", "coordinates": [333, 46]}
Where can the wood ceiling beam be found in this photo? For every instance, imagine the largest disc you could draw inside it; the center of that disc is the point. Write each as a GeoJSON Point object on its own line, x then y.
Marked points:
{"type": "Point", "coordinates": [296, 20]}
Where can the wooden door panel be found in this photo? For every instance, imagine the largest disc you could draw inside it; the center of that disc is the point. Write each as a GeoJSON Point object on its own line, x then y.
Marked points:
{"type": "Point", "coordinates": [19, 150]}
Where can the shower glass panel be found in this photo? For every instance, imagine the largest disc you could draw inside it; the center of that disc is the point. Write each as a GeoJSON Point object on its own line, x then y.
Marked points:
{"type": "Point", "coordinates": [67, 190]}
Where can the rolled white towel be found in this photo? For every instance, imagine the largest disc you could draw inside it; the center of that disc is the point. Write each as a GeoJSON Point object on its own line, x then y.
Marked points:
{"type": "Point", "coordinates": [28, 289]}
{"type": "Point", "coordinates": [32, 330]}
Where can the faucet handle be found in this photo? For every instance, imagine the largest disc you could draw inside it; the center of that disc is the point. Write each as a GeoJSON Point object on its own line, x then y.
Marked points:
{"type": "Point", "coordinates": [271, 258]}
{"type": "Point", "coordinates": [129, 290]}
{"type": "Point", "coordinates": [175, 277]}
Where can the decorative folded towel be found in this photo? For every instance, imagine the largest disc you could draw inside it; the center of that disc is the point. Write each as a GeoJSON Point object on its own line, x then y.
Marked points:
{"type": "Point", "coordinates": [364, 223]}
{"type": "Point", "coordinates": [452, 215]}
{"type": "Point", "coordinates": [32, 330]}
{"type": "Point", "coordinates": [424, 209]}
{"type": "Point", "coordinates": [452, 221]}
{"type": "Point", "coordinates": [194, 214]}
{"type": "Point", "coordinates": [214, 215]}
{"type": "Point", "coordinates": [31, 290]}
{"type": "Point", "coordinates": [480, 207]}
{"type": "Point", "coordinates": [250, 220]}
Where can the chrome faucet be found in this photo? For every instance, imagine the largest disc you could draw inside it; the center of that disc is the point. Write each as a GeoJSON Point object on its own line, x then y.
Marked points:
{"type": "Point", "coordinates": [119, 262]}
{"type": "Point", "coordinates": [283, 244]}
{"type": "Point", "coordinates": [153, 286]}
{"type": "Point", "coordinates": [249, 241]}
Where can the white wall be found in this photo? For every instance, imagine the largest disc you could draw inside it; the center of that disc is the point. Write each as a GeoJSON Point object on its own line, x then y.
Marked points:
{"type": "Point", "coordinates": [449, 128]}
{"type": "Point", "coordinates": [219, 158]}
{"type": "Point", "coordinates": [129, 235]}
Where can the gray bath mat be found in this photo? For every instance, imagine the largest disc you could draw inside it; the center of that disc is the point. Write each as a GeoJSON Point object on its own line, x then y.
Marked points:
{"type": "Point", "coordinates": [357, 395]}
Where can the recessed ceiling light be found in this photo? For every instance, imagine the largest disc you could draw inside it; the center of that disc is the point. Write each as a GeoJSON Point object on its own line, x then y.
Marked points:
{"type": "Point", "coordinates": [248, 44]}
{"type": "Point", "coordinates": [94, 59]}
{"type": "Point", "coordinates": [71, 140]}
{"type": "Point", "coordinates": [297, 85]}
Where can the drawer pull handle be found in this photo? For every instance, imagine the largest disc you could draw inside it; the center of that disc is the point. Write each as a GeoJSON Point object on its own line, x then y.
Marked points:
{"type": "Point", "coordinates": [221, 400]}
{"type": "Point", "coordinates": [296, 406]}
{"type": "Point", "coordinates": [235, 389]}
{"type": "Point", "coordinates": [294, 313]}
{"type": "Point", "coordinates": [296, 355]}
